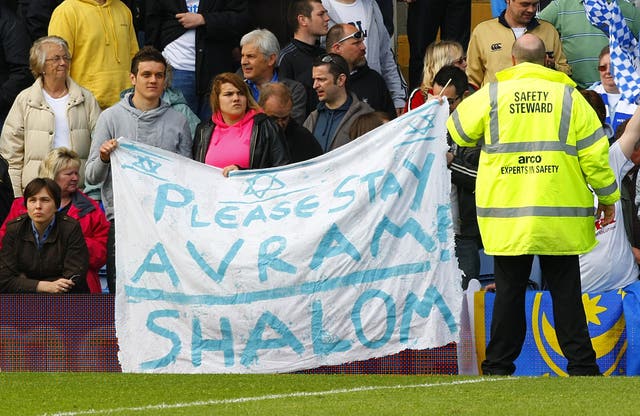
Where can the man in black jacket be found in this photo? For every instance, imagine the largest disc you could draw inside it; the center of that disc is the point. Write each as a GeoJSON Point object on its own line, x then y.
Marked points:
{"type": "Point", "coordinates": [14, 59]}
{"type": "Point", "coordinates": [215, 26]}
{"type": "Point", "coordinates": [347, 41]}
{"type": "Point", "coordinates": [309, 21]}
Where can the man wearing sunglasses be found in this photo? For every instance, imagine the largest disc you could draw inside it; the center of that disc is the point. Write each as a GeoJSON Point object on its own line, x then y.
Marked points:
{"type": "Point", "coordinates": [347, 41]}
{"type": "Point", "coordinates": [619, 109]}
{"type": "Point", "coordinates": [338, 108]}
{"type": "Point", "coordinates": [366, 16]}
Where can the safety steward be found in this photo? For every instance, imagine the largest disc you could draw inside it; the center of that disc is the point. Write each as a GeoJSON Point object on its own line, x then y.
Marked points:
{"type": "Point", "coordinates": [542, 147]}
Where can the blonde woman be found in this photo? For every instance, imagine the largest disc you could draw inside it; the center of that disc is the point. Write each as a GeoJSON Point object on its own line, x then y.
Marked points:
{"type": "Point", "coordinates": [437, 55]}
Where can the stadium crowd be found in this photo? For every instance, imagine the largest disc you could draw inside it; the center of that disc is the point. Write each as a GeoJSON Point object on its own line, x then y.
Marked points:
{"type": "Point", "coordinates": [237, 85]}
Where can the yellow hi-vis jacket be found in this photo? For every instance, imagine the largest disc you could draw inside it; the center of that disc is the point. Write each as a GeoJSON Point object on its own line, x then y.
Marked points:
{"type": "Point", "coordinates": [542, 146]}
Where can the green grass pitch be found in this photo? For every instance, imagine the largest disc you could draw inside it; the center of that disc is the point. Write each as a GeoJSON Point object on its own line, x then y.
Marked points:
{"type": "Point", "coordinates": [75, 394]}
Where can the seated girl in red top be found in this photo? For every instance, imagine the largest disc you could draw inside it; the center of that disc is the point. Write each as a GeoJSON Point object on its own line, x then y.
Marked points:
{"type": "Point", "coordinates": [238, 135]}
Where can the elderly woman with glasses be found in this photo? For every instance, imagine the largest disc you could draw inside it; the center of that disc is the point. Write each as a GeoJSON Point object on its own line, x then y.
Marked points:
{"type": "Point", "coordinates": [238, 135]}
{"type": "Point", "coordinates": [53, 112]}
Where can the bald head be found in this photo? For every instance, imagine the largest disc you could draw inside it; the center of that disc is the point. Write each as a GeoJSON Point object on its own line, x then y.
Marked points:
{"type": "Point", "coordinates": [528, 48]}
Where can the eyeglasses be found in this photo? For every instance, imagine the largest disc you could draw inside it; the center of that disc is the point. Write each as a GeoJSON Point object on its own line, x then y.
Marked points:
{"type": "Point", "coordinates": [460, 60]}
{"type": "Point", "coordinates": [57, 58]}
{"type": "Point", "coordinates": [603, 68]}
{"type": "Point", "coordinates": [356, 35]}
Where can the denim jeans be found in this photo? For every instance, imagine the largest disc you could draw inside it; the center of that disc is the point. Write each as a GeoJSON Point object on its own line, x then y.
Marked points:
{"type": "Point", "coordinates": [185, 81]}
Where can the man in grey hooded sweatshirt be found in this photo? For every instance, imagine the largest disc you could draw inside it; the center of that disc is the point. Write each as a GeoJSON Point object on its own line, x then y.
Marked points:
{"type": "Point", "coordinates": [140, 116]}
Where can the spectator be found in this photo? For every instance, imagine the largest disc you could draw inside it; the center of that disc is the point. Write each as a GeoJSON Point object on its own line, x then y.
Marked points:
{"type": "Point", "coordinates": [275, 100]}
{"type": "Point", "coordinates": [439, 54]}
{"type": "Point", "coordinates": [338, 108]}
{"type": "Point", "coordinates": [618, 108]}
{"type": "Point", "coordinates": [581, 41]}
{"type": "Point", "coordinates": [43, 251]}
{"type": "Point", "coordinates": [366, 16]}
{"type": "Point", "coordinates": [175, 99]}
{"type": "Point", "coordinates": [348, 42]}
{"type": "Point", "coordinates": [450, 82]}
{"type": "Point", "coordinates": [271, 15]}
{"type": "Point", "coordinates": [425, 18]}
{"type": "Point", "coordinates": [309, 20]}
{"type": "Point", "coordinates": [463, 163]}
{"type": "Point", "coordinates": [497, 6]}
{"type": "Point", "coordinates": [141, 116]}
{"type": "Point", "coordinates": [628, 196]}
{"type": "Point", "coordinates": [259, 55]}
{"type": "Point", "coordinates": [14, 59]}
{"type": "Point", "coordinates": [611, 264]}
{"type": "Point", "coordinates": [6, 190]}
{"type": "Point", "coordinates": [36, 15]}
{"type": "Point", "coordinates": [366, 123]}
{"type": "Point", "coordinates": [197, 37]}
{"type": "Point", "coordinates": [55, 111]}
{"type": "Point", "coordinates": [63, 166]}
{"type": "Point", "coordinates": [238, 135]}
{"type": "Point", "coordinates": [102, 41]}
{"type": "Point", "coordinates": [532, 196]}
{"type": "Point", "coordinates": [386, 8]}
{"type": "Point", "coordinates": [491, 41]}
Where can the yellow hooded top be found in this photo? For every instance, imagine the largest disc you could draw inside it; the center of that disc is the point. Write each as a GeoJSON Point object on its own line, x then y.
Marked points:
{"type": "Point", "coordinates": [102, 41]}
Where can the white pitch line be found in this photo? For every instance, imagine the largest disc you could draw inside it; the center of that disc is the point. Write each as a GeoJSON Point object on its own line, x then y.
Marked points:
{"type": "Point", "coordinates": [272, 397]}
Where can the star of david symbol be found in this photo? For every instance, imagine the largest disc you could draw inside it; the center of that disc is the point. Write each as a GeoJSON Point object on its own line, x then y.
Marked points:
{"type": "Point", "coordinates": [422, 130]}
{"type": "Point", "coordinates": [146, 164]}
{"type": "Point", "coordinates": [259, 185]}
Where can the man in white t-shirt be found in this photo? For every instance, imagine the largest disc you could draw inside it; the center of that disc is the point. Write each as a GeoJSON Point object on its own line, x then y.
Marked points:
{"type": "Point", "coordinates": [366, 16]}
{"type": "Point", "coordinates": [197, 38]}
{"type": "Point", "coordinates": [611, 264]}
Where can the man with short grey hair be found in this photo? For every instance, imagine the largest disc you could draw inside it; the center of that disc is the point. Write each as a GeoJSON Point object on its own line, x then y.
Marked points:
{"type": "Point", "coordinates": [260, 51]}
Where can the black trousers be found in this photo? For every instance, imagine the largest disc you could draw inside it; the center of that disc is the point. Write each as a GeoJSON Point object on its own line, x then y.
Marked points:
{"type": "Point", "coordinates": [424, 19]}
{"type": "Point", "coordinates": [111, 258]}
{"type": "Point", "coordinates": [508, 323]}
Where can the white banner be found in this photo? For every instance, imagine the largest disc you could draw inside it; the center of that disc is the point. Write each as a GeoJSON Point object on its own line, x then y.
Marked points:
{"type": "Point", "coordinates": [345, 257]}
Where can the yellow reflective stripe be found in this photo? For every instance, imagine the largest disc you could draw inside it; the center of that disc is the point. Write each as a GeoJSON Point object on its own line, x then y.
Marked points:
{"type": "Point", "coordinates": [591, 139]}
{"type": "Point", "coordinates": [530, 147]}
{"type": "Point", "coordinates": [607, 190]}
{"type": "Point", "coordinates": [458, 126]}
{"type": "Point", "coordinates": [535, 212]}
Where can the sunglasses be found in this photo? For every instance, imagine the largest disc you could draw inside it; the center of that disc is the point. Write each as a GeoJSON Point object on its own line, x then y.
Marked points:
{"type": "Point", "coordinates": [603, 68]}
{"type": "Point", "coordinates": [356, 35]}
{"type": "Point", "coordinates": [328, 59]}
{"type": "Point", "coordinates": [460, 60]}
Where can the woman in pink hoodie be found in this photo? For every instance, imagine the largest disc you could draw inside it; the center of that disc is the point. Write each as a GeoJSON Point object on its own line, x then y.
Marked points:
{"type": "Point", "coordinates": [238, 135]}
